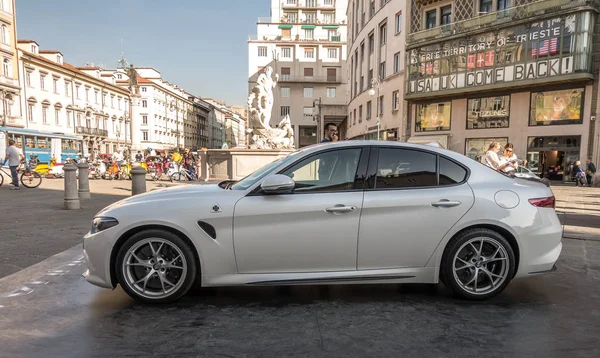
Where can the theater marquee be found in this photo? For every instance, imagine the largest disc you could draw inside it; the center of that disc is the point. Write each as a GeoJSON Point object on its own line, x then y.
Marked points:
{"type": "Point", "coordinates": [544, 49]}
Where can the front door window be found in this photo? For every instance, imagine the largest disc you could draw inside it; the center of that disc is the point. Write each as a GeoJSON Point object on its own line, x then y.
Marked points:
{"type": "Point", "coordinates": [329, 171]}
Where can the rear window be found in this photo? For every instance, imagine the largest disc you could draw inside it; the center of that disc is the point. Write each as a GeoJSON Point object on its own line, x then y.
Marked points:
{"type": "Point", "coordinates": [451, 173]}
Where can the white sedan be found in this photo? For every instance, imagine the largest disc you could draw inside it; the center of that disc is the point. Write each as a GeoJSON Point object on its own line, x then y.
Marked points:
{"type": "Point", "coordinates": [337, 213]}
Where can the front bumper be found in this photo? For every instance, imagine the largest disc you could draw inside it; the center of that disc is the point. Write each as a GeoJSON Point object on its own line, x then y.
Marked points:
{"type": "Point", "coordinates": [96, 253]}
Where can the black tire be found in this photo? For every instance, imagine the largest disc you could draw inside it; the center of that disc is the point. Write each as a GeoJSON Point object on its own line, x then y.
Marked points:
{"type": "Point", "coordinates": [447, 266]}
{"type": "Point", "coordinates": [173, 239]}
{"type": "Point", "coordinates": [175, 177]}
{"type": "Point", "coordinates": [31, 180]}
{"type": "Point", "coordinates": [1, 179]}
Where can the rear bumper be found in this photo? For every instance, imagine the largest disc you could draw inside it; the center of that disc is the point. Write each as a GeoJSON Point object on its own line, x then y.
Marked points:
{"type": "Point", "coordinates": [542, 272]}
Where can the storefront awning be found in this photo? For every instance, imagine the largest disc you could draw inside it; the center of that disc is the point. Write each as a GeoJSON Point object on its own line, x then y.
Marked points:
{"type": "Point", "coordinates": [433, 140]}
{"type": "Point", "coordinates": [331, 27]}
{"type": "Point", "coordinates": [309, 27]}
{"type": "Point", "coordinates": [282, 26]}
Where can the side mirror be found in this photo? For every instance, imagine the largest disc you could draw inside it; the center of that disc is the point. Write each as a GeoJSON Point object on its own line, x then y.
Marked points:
{"type": "Point", "coordinates": [278, 184]}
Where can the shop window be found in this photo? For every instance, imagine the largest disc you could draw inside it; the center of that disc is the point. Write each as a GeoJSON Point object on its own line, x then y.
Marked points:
{"type": "Point", "coordinates": [556, 107]}
{"type": "Point", "coordinates": [402, 168]}
{"type": "Point", "coordinates": [433, 117]}
{"type": "Point", "coordinates": [451, 173]}
{"type": "Point", "coordinates": [475, 148]}
{"type": "Point", "coordinates": [488, 112]}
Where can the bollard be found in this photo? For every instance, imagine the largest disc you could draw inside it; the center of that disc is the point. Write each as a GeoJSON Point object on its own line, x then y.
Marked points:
{"type": "Point", "coordinates": [84, 181]}
{"type": "Point", "coordinates": [138, 180]}
{"type": "Point", "coordinates": [71, 198]}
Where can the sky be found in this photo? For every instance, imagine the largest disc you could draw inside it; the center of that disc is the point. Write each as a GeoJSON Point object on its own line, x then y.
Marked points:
{"type": "Point", "coordinates": [200, 45]}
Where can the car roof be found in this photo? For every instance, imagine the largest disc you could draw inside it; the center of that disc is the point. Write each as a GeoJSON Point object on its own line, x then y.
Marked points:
{"type": "Point", "coordinates": [379, 143]}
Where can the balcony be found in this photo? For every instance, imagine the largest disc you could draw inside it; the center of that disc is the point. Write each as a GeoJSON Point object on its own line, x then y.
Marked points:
{"type": "Point", "coordinates": [310, 79]}
{"type": "Point", "coordinates": [264, 20]}
{"type": "Point", "coordinates": [308, 4]}
{"type": "Point", "coordinates": [296, 38]}
{"type": "Point", "coordinates": [488, 22]}
{"type": "Point", "coordinates": [91, 131]}
{"type": "Point", "coordinates": [9, 81]}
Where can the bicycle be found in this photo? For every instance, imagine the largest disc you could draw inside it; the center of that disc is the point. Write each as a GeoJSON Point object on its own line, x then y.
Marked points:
{"type": "Point", "coordinates": [184, 174]}
{"type": "Point", "coordinates": [31, 179]}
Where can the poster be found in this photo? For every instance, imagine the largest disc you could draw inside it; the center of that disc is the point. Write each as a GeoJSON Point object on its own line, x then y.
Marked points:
{"type": "Point", "coordinates": [556, 107]}
{"type": "Point", "coordinates": [433, 117]}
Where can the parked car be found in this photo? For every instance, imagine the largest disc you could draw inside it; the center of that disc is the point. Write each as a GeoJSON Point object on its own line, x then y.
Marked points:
{"type": "Point", "coordinates": [336, 213]}
{"type": "Point", "coordinates": [523, 172]}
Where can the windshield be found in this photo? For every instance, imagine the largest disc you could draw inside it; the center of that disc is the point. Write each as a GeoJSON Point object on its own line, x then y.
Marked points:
{"type": "Point", "coordinates": [251, 179]}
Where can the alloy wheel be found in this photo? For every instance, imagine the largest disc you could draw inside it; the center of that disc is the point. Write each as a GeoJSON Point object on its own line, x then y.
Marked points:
{"type": "Point", "coordinates": [481, 265]}
{"type": "Point", "coordinates": [155, 268]}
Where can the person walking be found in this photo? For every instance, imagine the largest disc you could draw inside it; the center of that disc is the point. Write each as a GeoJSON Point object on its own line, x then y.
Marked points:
{"type": "Point", "coordinates": [590, 171]}
{"type": "Point", "coordinates": [13, 156]}
{"type": "Point", "coordinates": [579, 174]}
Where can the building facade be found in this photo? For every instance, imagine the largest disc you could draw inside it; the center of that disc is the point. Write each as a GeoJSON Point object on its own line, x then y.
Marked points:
{"type": "Point", "coordinates": [304, 41]}
{"type": "Point", "coordinates": [59, 98]}
{"type": "Point", "coordinates": [520, 71]}
{"type": "Point", "coordinates": [165, 116]}
{"type": "Point", "coordinates": [228, 125]}
{"type": "Point", "coordinates": [376, 69]}
{"type": "Point", "coordinates": [10, 89]}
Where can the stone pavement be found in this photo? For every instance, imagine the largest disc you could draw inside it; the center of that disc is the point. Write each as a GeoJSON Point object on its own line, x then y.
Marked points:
{"type": "Point", "coordinates": [579, 211]}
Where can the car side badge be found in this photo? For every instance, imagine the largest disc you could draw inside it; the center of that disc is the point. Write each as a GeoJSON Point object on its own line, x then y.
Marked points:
{"type": "Point", "coordinates": [215, 209]}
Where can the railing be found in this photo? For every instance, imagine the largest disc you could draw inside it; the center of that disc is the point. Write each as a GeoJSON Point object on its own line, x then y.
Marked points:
{"type": "Point", "coordinates": [91, 131]}
{"type": "Point", "coordinates": [314, 79]}
{"type": "Point", "coordinates": [292, 39]}
{"type": "Point", "coordinates": [502, 17]}
{"type": "Point", "coordinates": [264, 20]}
{"type": "Point", "coordinates": [298, 21]}
{"type": "Point", "coordinates": [307, 4]}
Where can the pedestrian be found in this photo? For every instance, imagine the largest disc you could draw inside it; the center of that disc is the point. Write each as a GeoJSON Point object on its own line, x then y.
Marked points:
{"type": "Point", "coordinates": [118, 158]}
{"type": "Point", "coordinates": [491, 158]}
{"type": "Point", "coordinates": [331, 133]}
{"type": "Point", "coordinates": [13, 156]}
{"type": "Point", "coordinates": [509, 159]}
{"type": "Point", "coordinates": [139, 157]}
{"type": "Point", "coordinates": [590, 171]}
{"type": "Point", "coordinates": [579, 174]}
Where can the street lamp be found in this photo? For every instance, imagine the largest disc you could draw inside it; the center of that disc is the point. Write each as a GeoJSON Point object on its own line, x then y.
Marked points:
{"type": "Point", "coordinates": [174, 107]}
{"type": "Point", "coordinates": [375, 87]}
{"type": "Point", "coordinates": [7, 100]}
{"type": "Point", "coordinates": [317, 103]}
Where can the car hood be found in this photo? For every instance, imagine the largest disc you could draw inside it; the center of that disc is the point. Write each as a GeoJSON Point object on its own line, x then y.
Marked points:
{"type": "Point", "coordinates": [172, 194]}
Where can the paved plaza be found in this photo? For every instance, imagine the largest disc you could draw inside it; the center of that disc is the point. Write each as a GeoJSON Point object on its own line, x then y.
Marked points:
{"type": "Point", "coordinates": [48, 309]}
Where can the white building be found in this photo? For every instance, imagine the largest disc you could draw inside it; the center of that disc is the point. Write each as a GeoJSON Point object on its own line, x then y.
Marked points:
{"type": "Point", "coordinates": [227, 125]}
{"type": "Point", "coordinates": [59, 98]}
{"type": "Point", "coordinates": [376, 36]}
{"type": "Point", "coordinates": [165, 116]}
{"type": "Point", "coordinates": [304, 41]}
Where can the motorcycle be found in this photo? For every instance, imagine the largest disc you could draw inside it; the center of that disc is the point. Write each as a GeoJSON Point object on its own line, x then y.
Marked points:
{"type": "Point", "coordinates": [97, 169]}
{"type": "Point", "coordinates": [52, 170]}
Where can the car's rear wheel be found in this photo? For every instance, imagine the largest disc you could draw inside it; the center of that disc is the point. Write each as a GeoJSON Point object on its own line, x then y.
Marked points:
{"type": "Point", "coordinates": [156, 266]}
{"type": "Point", "coordinates": [478, 264]}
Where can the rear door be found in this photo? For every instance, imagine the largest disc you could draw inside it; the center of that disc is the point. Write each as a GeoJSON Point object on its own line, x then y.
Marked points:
{"type": "Point", "coordinates": [408, 207]}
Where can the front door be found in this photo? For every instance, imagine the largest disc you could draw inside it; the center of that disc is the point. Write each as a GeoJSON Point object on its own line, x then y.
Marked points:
{"type": "Point", "coordinates": [313, 229]}
{"type": "Point", "coordinates": [407, 210]}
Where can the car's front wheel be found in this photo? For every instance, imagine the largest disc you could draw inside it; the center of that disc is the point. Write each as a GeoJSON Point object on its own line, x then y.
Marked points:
{"type": "Point", "coordinates": [478, 264]}
{"type": "Point", "coordinates": [155, 266]}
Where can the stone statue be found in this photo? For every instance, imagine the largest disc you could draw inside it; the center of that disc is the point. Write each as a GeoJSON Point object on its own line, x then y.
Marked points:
{"type": "Point", "coordinates": [260, 107]}
{"type": "Point", "coordinates": [132, 74]}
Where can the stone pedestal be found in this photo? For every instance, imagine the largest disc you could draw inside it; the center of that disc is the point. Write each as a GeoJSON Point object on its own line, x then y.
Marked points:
{"type": "Point", "coordinates": [71, 201]}
{"type": "Point", "coordinates": [235, 164]}
{"type": "Point", "coordinates": [84, 181]}
{"type": "Point", "coordinates": [138, 180]}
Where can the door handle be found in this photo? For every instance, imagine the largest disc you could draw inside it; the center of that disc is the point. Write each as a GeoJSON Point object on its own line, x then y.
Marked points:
{"type": "Point", "coordinates": [340, 209]}
{"type": "Point", "coordinates": [444, 203]}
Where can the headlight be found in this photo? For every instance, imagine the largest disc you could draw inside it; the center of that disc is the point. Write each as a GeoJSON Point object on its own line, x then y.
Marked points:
{"type": "Point", "coordinates": [103, 223]}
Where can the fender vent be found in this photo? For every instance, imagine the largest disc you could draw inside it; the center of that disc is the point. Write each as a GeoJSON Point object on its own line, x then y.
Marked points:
{"type": "Point", "coordinates": [208, 229]}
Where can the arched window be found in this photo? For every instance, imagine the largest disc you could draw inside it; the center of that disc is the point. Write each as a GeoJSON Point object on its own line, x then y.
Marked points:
{"type": "Point", "coordinates": [4, 33]}
{"type": "Point", "coordinates": [6, 68]}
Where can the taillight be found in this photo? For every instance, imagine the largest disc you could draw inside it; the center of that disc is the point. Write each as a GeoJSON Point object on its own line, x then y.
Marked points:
{"type": "Point", "coordinates": [548, 202]}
